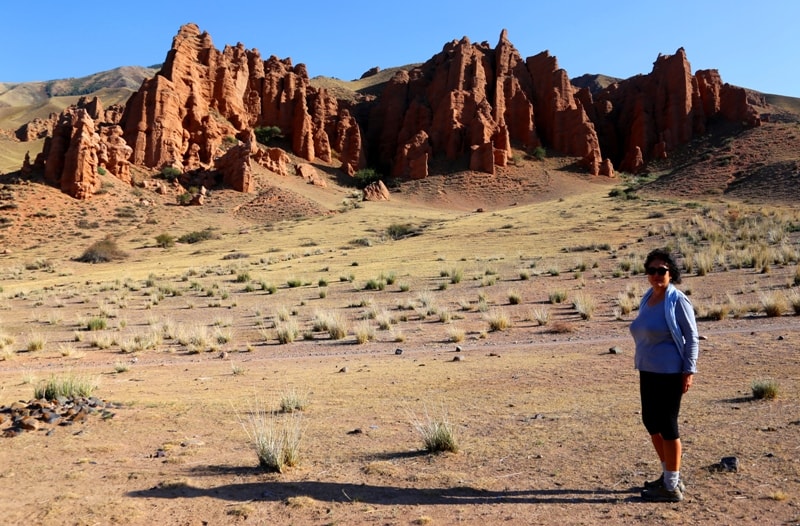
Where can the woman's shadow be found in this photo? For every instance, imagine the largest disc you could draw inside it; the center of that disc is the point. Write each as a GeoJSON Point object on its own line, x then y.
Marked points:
{"type": "Point", "coordinates": [271, 490]}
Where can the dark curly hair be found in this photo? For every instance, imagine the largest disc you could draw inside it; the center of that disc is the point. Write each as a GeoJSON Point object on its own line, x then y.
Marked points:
{"type": "Point", "coordinates": [665, 256]}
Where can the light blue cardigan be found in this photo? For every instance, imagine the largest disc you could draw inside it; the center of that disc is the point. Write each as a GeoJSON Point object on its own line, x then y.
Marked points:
{"type": "Point", "coordinates": [682, 325]}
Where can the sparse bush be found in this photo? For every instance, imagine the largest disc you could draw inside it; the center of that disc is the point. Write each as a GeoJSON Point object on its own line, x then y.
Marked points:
{"type": "Point", "coordinates": [336, 326]}
{"type": "Point", "coordinates": [276, 440]}
{"type": "Point", "coordinates": [286, 331]}
{"type": "Point", "coordinates": [456, 334]}
{"type": "Point", "coordinates": [718, 312]}
{"type": "Point", "coordinates": [97, 323]}
{"type": "Point", "coordinates": [36, 342]}
{"type": "Point", "coordinates": [292, 401]}
{"type": "Point", "coordinates": [541, 315]}
{"type": "Point", "coordinates": [626, 303]}
{"type": "Point", "coordinates": [364, 332]}
{"type": "Point", "coordinates": [558, 296]}
{"type": "Point", "coordinates": [197, 236]}
{"type": "Point", "coordinates": [764, 389]}
{"type": "Point", "coordinates": [438, 435]}
{"type": "Point", "coordinates": [400, 231]}
{"type": "Point", "coordinates": [514, 297]}
{"type": "Point", "coordinates": [375, 284]}
{"type": "Point", "coordinates": [498, 320]}
{"type": "Point", "coordinates": [102, 251]}
{"type": "Point", "coordinates": [67, 386]}
{"type": "Point", "coordinates": [774, 304]}
{"type": "Point", "coordinates": [585, 305]}
{"type": "Point", "coordinates": [539, 153]}
{"type": "Point", "coordinates": [165, 240]}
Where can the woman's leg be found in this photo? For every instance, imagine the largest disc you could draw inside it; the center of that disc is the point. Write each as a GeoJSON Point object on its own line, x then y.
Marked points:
{"type": "Point", "coordinates": [672, 450]}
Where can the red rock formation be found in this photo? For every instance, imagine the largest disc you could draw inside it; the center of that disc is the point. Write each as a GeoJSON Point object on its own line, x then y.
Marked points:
{"type": "Point", "coordinates": [376, 191]}
{"type": "Point", "coordinates": [469, 104]}
{"type": "Point", "coordinates": [476, 102]}
{"type": "Point", "coordinates": [648, 116]}
{"type": "Point", "coordinates": [310, 175]}
{"type": "Point", "coordinates": [560, 116]}
{"type": "Point", "coordinates": [80, 178]}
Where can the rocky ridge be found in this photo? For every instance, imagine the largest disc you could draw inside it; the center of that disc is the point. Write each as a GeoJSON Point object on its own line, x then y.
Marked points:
{"type": "Point", "coordinates": [470, 104]}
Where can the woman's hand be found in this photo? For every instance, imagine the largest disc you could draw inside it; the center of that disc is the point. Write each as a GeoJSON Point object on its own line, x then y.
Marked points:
{"type": "Point", "coordinates": [687, 381]}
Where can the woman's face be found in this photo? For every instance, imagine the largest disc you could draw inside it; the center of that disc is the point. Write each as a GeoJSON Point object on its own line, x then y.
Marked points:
{"type": "Point", "coordinates": [658, 274]}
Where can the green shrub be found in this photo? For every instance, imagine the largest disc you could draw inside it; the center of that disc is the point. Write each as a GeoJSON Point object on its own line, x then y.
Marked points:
{"type": "Point", "coordinates": [102, 251]}
{"type": "Point", "coordinates": [97, 323]}
{"type": "Point", "coordinates": [399, 231]}
{"type": "Point", "coordinates": [197, 236]}
{"type": "Point", "coordinates": [170, 173]}
{"type": "Point", "coordinates": [165, 240]}
{"type": "Point", "coordinates": [764, 389]}
{"type": "Point", "coordinates": [540, 153]}
{"type": "Point", "coordinates": [365, 177]}
{"type": "Point", "coordinates": [264, 134]}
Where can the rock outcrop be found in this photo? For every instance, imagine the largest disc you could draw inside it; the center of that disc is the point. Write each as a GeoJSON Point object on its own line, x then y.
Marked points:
{"type": "Point", "coordinates": [646, 117]}
{"type": "Point", "coordinates": [470, 105]}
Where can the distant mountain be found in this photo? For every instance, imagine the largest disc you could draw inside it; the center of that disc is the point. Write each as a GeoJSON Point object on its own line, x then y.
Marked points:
{"type": "Point", "coordinates": [595, 82]}
{"type": "Point", "coordinates": [33, 93]}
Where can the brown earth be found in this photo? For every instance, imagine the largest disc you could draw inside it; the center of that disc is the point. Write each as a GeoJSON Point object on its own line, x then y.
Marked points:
{"type": "Point", "coordinates": [546, 418]}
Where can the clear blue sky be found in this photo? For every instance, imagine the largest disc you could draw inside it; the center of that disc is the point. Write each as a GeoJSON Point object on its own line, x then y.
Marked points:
{"type": "Point", "coordinates": [752, 44]}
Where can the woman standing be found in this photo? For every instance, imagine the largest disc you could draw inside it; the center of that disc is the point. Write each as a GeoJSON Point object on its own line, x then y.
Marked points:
{"type": "Point", "coordinates": [665, 333]}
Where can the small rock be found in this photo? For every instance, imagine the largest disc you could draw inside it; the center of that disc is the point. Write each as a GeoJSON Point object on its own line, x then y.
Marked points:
{"type": "Point", "coordinates": [398, 351]}
{"type": "Point", "coordinates": [29, 423]}
{"type": "Point", "coordinates": [356, 431]}
{"type": "Point", "coordinates": [702, 337]}
{"type": "Point", "coordinates": [780, 338]}
{"type": "Point", "coordinates": [223, 355]}
{"type": "Point", "coordinates": [343, 370]}
{"type": "Point", "coordinates": [458, 348]}
{"type": "Point", "coordinates": [615, 350]}
{"type": "Point", "coordinates": [458, 358]}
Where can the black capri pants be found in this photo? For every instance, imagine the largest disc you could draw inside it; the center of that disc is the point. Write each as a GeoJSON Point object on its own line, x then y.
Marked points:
{"type": "Point", "coordinates": [661, 402]}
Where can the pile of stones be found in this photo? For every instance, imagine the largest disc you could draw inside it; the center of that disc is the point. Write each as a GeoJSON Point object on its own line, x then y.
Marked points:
{"type": "Point", "coordinates": [46, 415]}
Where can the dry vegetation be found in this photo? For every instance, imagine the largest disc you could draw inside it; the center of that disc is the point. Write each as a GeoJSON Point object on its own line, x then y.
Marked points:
{"type": "Point", "coordinates": [336, 345]}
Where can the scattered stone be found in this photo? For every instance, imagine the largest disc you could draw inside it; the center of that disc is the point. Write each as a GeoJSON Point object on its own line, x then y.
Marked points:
{"type": "Point", "coordinates": [458, 348]}
{"type": "Point", "coordinates": [702, 337]}
{"type": "Point", "coordinates": [615, 350]}
{"type": "Point", "coordinates": [398, 351]}
{"type": "Point", "coordinates": [356, 431]}
{"type": "Point", "coordinates": [458, 358]}
{"type": "Point", "coordinates": [223, 355]}
{"type": "Point", "coordinates": [46, 414]}
{"type": "Point", "coordinates": [780, 338]}
{"type": "Point", "coordinates": [28, 423]}
{"type": "Point", "coordinates": [494, 354]}
{"type": "Point", "coordinates": [343, 369]}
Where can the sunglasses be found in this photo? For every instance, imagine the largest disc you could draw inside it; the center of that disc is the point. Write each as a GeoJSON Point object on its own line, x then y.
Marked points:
{"type": "Point", "coordinates": [656, 270]}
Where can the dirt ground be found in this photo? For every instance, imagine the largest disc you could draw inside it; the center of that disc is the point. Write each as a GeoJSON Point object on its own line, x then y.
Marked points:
{"type": "Point", "coordinates": [546, 417]}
